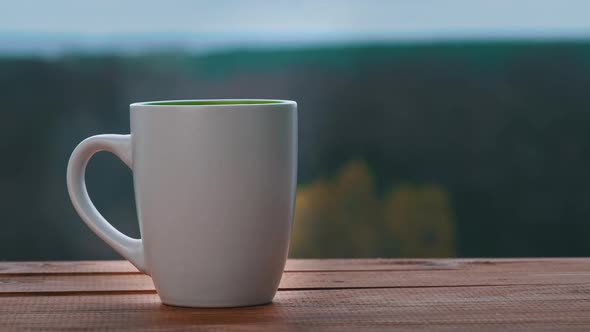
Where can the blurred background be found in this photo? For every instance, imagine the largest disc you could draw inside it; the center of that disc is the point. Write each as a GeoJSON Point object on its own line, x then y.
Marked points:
{"type": "Point", "coordinates": [427, 128]}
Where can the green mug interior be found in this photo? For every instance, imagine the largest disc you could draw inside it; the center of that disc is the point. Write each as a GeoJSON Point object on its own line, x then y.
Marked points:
{"type": "Point", "coordinates": [212, 102]}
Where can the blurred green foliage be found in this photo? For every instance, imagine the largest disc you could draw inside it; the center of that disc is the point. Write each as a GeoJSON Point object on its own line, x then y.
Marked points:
{"type": "Point", "coordinates": [343, 216]}
{"type": "Point", "coordinates": [405, 150]}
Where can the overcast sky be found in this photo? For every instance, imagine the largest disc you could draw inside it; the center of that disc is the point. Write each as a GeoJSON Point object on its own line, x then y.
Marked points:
{"type": "Point", "coordinates": [386, 17]}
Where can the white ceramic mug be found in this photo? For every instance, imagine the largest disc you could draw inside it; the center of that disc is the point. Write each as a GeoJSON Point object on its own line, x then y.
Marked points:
{"type": "Point", "coordinates": [215, 188]}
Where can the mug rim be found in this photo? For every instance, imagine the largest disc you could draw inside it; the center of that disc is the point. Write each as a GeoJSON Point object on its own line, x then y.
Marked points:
{"type": "Point", "coordinates": [217, 103]}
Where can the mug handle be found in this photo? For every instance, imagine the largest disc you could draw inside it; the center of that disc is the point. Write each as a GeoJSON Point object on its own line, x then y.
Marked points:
{"type": "Point", "coordinates": [119, 145]}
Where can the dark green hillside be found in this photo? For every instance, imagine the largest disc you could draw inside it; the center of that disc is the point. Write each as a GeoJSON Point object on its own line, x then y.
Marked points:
{"type": "Point", "coordinates": [468, 149]}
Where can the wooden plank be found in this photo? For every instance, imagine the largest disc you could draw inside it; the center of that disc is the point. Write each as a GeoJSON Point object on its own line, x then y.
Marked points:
{"type": "Point", "coordinates": [122, 267]}
{"type": "Point", "coordinates": [480, 264]}
{"type": "Point", "coordinates": [12, 285]}
{"type": "Point", "coordinates": [292, 265]}
{"type": "Point", "coordinates": [503, 308]}
{"type": "Point", "coordinates": [62, 267]}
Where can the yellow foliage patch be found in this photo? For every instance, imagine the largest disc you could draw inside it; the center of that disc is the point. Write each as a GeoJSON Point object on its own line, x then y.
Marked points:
{"type": "Point", "coordinates": [345, 217]}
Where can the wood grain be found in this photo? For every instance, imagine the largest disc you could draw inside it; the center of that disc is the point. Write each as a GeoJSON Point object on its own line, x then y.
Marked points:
{"type": "Point", "coordinates": [482, 308]}
{"type": "Point", "coordinates": [64, 283]}
{"type": "Point", "coordinates": [338, 295]}
{"type": "Point", "coordinates": [302, 265]}
{"type": "Point", "coordinates": [74, 267]}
